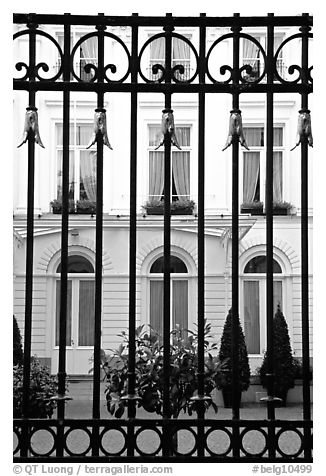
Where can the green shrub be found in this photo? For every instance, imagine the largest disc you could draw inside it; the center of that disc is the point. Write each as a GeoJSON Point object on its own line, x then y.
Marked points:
{"type": "Point", "coordinates": [149, 372]}
{"type": "Point", "coordinates": [17, 342]}
{"type": "Point", "coordinates": [224, 379]}
{"type": "Point", "coordinates": [284, 365]}
{"type": "Point", "coordinates": [43, 386]}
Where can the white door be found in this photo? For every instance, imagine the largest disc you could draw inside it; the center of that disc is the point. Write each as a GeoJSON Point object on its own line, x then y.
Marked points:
{"type": "Point", "coordinates": [80, 326]}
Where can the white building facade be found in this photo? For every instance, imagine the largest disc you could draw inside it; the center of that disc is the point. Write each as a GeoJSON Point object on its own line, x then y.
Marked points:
{"type": "Point", "coordinates": [150, 186]}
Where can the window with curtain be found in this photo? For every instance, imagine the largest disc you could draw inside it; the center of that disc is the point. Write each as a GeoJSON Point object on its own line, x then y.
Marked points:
{"type": "Point", "coordinates": [180, 180]}
{"type": "Point", "coordinates": [85, 54]}
{"type": "Point", "coordinates": [254, 302]}
{"type": "Point", "coordinates": [179, 295]}
{"type": "Point", "coordinates": [254, 168]}
{"type": "Point", "coordinates": [80, 303]}
{"type": "Point", "coordinates": [252, 56]}
{"type": "Point", "coordinates": [180, 56]}
{"type": "Point", "coordinates": [82, 163]}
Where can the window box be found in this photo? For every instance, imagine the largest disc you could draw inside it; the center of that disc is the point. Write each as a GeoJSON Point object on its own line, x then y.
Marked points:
{"type": "Point", "coordinates": [57, 206]}
{"type": "Point", "coordinates": [254, 208]}
{"type": "Point", "coordinates": [178, 207]}
{"type": "Point", "coordinates": [85, 207]}
{"type": "Point", "coordinates": [282, 208]}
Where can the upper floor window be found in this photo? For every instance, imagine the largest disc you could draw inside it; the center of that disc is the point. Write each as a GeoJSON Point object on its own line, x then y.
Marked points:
{"type": "Point", "coordinates": [252, 56]}
{"type": "Point", "coordinates": [82, 163]}
{"type": "Point", "coordinates": [254, 167]}
{"type": "Point", "coordinates": [86, 53]}
{"type": "Point", "coordinates": [180, 180]}
{"type": "Point", "coordinates": [180, 55]}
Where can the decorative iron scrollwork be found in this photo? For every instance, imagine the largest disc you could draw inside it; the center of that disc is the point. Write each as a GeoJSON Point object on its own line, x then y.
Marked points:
{"type": "Point", "coordinates": [167, 126]}
{"type": "Point", "coordinates": [31, 125]}
{"type": "Point", "coordinates": [304, 128]}
{"type": "Point", "coordinates": [100, 127]}
{"type": "Point", "coordinates": [235, 130]}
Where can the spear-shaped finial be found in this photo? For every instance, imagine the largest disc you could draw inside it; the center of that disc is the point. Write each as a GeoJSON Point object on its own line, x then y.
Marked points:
{"type": "Point", "coordinates": [235, 129]}
{"type": "Point", "coordinates": [304, 128]}
{"type": "Point", "coordinates": [167, 126]}
{"type": "Point", "coordinates": [100, 126]}
{"type": "Point", "coordinates": [31, 124]}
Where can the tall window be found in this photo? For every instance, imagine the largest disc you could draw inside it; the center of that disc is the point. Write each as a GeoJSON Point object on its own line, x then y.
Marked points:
{"type": "Point", "coordinates": [254, 302]}
{"type": "Point", "coordinates": [180, 165]}
{"type": "Point", "coordinates": [86, 53]}
{"type": "Point", "coordinates": [254, 169]}
{"type": "Point", "coordinates": [180, 56]}
{"type": "Point", "coordinates": [82, 163]}
{"type": "Point", "coordinates": [251, 55]}
{"type": "Point", "coordinates": [80, 303]}
{"type": "Point", "coordinates": [179, 293]}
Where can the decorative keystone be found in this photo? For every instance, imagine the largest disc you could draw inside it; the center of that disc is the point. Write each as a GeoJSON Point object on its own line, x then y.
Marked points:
{"type": "Point", "coordinates": [100, 127]}
{"type": "Point", "coordinates": [235, 130]}
{"type": "Point", "coordinates": [167, 126]}
{"type": "Point", "coordinates": [31, 125]}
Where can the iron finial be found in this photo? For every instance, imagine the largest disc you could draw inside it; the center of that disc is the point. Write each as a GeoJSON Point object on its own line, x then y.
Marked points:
{"type": "Point", "coordinates": [31, 125]}
{"type": "Point", "coordinates": [235, 129]}
{"type": "Point", "coordinates": [100, 127]}
{"type": "Point", "coordinates": [167, 126]}
{"type": "Point", "coordinates": [304, 128]}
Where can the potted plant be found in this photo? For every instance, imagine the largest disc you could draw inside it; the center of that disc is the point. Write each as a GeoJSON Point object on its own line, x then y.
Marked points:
{"type": "Point", "coordinates": [224, 378]}
{"type": "Point", "coordinates": [56, 205]}
{"type": "Point", "coordinates": [284, 365]}
{"type": "Point", "coordinates": [43, 386]}
{"type": "Point", "coordinates": [253, 208]}
{"type": "Point", "coordinates": [85, 206]}
{"type": "Point", "coordinates": [282, 208]}
{"type": "Point", "coordinates": [183, 384]}
{"type": "Point", "coordinates": [154, 207]}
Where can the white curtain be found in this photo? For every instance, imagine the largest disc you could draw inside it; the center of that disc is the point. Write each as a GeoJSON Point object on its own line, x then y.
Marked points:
{"type": "Point", "coordinates": [157, 50]}
{"type": "Point", "coordinates": [156, 174]}
{"type": "Point", "coordinates": [250, 175]}
{"type": "Point", "coordinates": [86, 313]}
{"type": "Point", "coordinates": [68, 322]}
{"type": "Point", "coordinates": [156, 306]}
{"type": "Point", "coordinates": [88, 173]}
{"type": "Point", "coordinates": [71, 174]}
{"type": "Point", "coordinates": [277, 176]}
{"type": "Point", "coordinates": [250, 52]}
{"type": "Point", "coordinates": [251, 316]}
{"type": "Point", "coordinates": [88, 55]}
{"type": "Point", "coordinates": [180, 304]}
{"type": "Point", "coordinates": [181, 171]}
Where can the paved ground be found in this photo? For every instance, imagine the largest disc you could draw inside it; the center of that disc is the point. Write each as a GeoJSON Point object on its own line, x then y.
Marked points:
{"type": "Point", "coordinates": [148, 440]}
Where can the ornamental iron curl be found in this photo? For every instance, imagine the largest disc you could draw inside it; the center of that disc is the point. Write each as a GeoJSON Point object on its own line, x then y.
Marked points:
{"type": "Point", "coordinates": [31, 125]}
{"type": "Point", "coordinates": [100, 127]}
{"type": "Point", "coordinates": [304, 128]}
{"type": "Point", "coordinates": [235, 130]}
{"type": "Point", "coordinates": [167, 127]}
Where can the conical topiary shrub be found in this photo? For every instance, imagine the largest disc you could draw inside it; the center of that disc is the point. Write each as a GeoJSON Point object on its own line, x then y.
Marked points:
{"type": "Point", "coordinates": [284, 367]}
{"type": "Point", "coordinates": [224, 379]}
{"type": "Point", "coordinates": [17, 342]}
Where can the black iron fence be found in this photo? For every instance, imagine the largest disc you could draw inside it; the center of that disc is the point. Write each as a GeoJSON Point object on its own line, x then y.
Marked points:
{"type": "Point", "coordinates": [166, 79]}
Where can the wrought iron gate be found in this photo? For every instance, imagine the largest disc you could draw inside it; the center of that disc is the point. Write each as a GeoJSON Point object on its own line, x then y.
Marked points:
{"type": "Point", "coordinates": [169, 80]}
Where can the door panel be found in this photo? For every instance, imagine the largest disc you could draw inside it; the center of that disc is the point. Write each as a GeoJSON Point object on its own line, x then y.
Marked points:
{"type": "Point", "coordinates": [86, 313]}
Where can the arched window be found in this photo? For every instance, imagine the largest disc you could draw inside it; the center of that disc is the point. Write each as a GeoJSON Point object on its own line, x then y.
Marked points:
{"type": "Point", "coordinates": [254, 301]}
{"type": "Point", "coordinates": [80, 312]}
{"type": "Point", "coordinates": [179, 294]}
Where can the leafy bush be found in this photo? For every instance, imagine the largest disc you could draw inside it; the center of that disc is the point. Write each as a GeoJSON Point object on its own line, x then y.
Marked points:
{"type": "Point", "coordinates": [86, 205]}
{"type": "Point", "coordinates": [43, 386]}
{"type": "Point", "coordinates": [284, 365]}
{"type": "Point", "coordinates": [17, 342]}
{"type": "Point", "coordinates": [149, 372]}
{"type": "Point", "coordinates": [224, 379]}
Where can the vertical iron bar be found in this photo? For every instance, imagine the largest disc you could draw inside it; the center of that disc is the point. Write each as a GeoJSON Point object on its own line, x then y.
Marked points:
{"type": "Point", "coordinates": [235, 247]}
{"type": "Point", "coordinates": [98, 247]}
{"type": "Point", "coordinates": [167, 249]}
{"type": "Point", "coordinates": [132, 242]}
{"type": "Point", "coordinates": [29, 247]}
{"type": "Point", "coordinates": [64, 242]}
{"type": "Point", "coordinates": [305, 251]}
{"type": "Point", "coordinates": [269, 224]}
{"type": "Point", "coordinates": [201, 246]}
